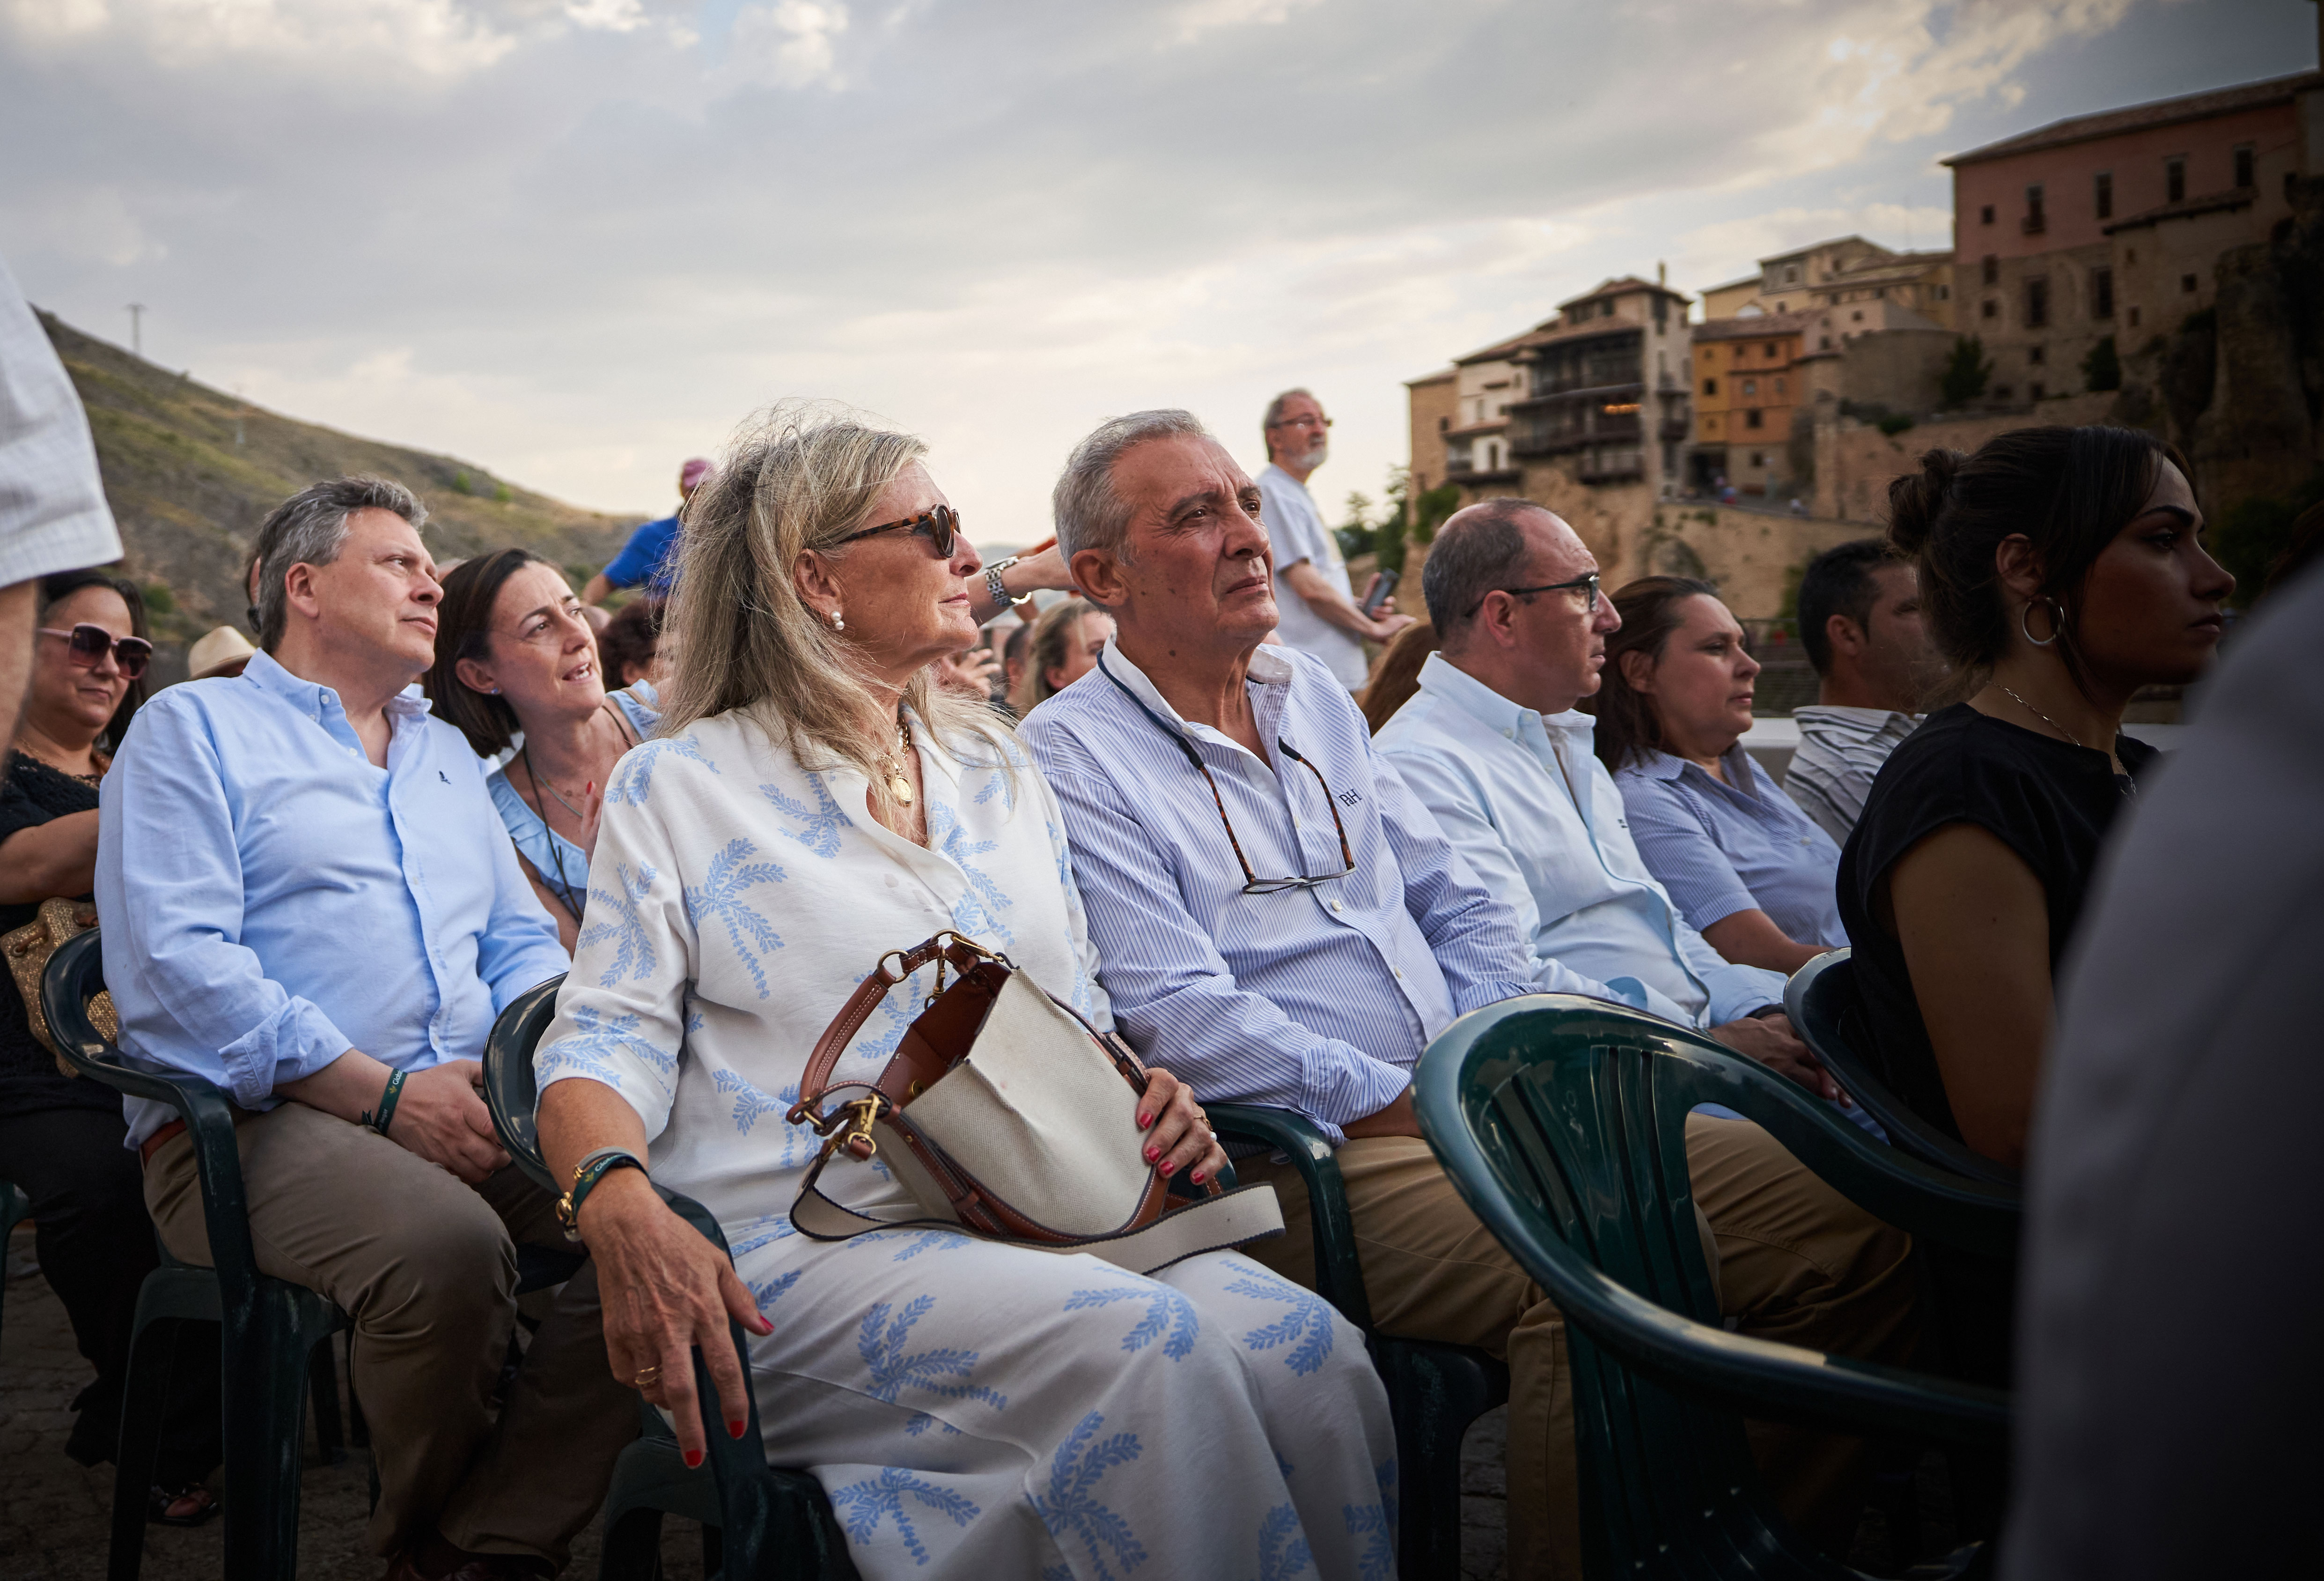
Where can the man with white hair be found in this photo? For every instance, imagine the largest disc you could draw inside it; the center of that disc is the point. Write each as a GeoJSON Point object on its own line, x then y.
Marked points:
{"type": "Point", "coordinates": [1276, 915]}
{"type": "Point", "coordinates": [309, 901]}
{"type": "Point", "coordinates": [1321, 617]}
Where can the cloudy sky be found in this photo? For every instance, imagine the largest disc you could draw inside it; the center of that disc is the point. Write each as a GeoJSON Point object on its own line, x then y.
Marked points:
{"type": "Point", "coordinates": [577, 240]}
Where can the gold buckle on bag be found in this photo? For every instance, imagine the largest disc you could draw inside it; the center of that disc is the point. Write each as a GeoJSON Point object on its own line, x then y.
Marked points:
{"type": "Point", "coordinates": [850, 1126]}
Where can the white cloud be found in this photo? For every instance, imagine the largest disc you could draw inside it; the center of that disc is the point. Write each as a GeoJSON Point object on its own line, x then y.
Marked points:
{"type": "Point", "coordinates": [789, 43]}
{"type": "Point", "coordinates": [435, 39]}
{"type": "Point", "coordinates": [1196, 17]}
{"type": "Point", "coordinates": [607, 15]}
{"type": "Point", "coordinates": [575, 254]}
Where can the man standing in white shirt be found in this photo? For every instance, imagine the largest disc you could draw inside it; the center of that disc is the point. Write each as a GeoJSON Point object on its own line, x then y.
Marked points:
{"type": "Point", "coordinates": [52, 512]}
{"type": "Point", "coordinates": [1861, 622]}
{"type": "Point", "coordinates": [1321, 618]}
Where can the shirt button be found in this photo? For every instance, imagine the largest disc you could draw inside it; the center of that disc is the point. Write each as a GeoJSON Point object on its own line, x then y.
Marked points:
{"type": "Point", "coordinates": [1399, 973]}
{"type": "Point", "coordinates": [1335, 905]}
{"type": "Point", "coordinates": [891, 881]}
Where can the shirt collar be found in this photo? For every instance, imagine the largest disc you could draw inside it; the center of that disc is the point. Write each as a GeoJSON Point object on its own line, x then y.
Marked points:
{"type": "Point", "coordinates": [315, 699]}
{"type": "Point", "coordinates": [1440, 677]}
{"type": "Point", "coordinates": [1865, 722]}
{"type": "Point", "coordinates": [1741, 771]}
{"type": "Point", "coordinates": [1267, 668]}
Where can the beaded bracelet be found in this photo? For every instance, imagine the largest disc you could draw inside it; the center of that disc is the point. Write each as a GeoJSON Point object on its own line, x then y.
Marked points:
{"type": "Point", "coordinates": [378, 1122]}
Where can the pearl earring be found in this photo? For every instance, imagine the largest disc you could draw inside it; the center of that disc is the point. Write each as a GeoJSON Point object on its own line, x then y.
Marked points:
{"type": "Point", "coordinates": [495, 691]}
{"type": "Point", "coordinates": [837, 623]}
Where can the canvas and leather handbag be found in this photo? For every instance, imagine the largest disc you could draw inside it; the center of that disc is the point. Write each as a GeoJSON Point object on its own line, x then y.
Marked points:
{"type": "Point", "coordinates": [1005, 1113]}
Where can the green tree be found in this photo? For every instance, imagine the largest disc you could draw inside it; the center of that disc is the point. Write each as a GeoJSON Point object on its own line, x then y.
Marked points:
{"type": "Point", "coordinates": [463, 483]}
{"type": "Point", "coordinates": [1356, 534]}
{"type": "Point", "coordinates": [1964, 378]}
{"type": "Point", "coordinates": [159, 599]}
{"type": "Point", "coordinates": [2102, 369]}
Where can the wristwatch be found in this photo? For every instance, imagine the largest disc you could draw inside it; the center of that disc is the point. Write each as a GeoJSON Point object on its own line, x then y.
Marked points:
{"type": "Point", "coordinates": [1000, 589]}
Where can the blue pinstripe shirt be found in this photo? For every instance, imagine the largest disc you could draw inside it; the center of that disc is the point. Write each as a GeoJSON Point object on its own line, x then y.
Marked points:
{"type": "Point", "coordinates": [1318, 1000]}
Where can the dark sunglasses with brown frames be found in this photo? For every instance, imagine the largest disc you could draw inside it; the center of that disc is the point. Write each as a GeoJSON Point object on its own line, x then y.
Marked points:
{"type": "Point", "coordinates": [940, 527]}
{"type": "Point", "coordinates": [86, 643]}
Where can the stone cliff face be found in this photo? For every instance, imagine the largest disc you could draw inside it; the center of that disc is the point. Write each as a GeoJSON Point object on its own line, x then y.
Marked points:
{"type": "Point", "coordinates": [2240, 388]}
{"type": "Point", "coordinates": [190, 472]}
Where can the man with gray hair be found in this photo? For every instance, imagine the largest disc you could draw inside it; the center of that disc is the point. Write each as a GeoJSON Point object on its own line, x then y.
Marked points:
{"type": "Point", "coordinates": [1278, 914]}
{"type": "Point", "coordinates": [1321, 617]}
{"type": "Point", "coordinates": [309, 900]}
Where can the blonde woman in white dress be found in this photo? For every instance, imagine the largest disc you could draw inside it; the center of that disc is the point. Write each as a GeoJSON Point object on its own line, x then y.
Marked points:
{"type": "Point", "coordinates": [973, 1408]}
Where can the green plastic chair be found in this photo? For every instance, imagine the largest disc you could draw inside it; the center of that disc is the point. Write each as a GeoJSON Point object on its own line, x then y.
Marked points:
{"type": "Point", "coordinates": [757, 1523]}
{"type": "Point", "coordinates": [1562, 1121]}
{"type": "Point", "coordinates": [270, 1330]}
{"type": "Point", "coordinates": [1826, 1010]}
{"type": "Point", "coordinates": [1434, 1391]}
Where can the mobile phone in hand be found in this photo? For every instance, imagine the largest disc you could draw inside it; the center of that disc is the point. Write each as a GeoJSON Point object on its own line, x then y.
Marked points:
{"type": "Point", "coordinates": [1383, 586]}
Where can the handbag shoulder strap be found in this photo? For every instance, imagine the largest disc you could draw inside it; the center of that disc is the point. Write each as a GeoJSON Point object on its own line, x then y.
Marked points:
{"type": "Point", "coordinates": [869, 993]}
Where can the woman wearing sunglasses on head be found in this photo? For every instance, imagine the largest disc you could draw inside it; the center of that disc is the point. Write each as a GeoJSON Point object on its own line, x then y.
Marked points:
{"type": "Point", "coordinates": [61, 1137]}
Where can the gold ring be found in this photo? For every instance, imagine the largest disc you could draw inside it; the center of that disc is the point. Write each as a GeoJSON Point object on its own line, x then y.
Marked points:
{"type": "Point", "coordinates": [645, 1378]}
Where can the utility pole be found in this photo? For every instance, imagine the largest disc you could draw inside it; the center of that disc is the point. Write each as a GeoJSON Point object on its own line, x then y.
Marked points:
{"type": "Point", "coordinates": [138, 329]}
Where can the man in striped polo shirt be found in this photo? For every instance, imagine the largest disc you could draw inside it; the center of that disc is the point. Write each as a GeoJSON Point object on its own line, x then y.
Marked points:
{"type": "Point", "coordinates": [1860, 622]}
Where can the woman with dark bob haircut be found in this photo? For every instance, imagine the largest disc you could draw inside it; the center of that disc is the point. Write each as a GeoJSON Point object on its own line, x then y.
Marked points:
{"type": "Point", "coordinates": [2061, 569]}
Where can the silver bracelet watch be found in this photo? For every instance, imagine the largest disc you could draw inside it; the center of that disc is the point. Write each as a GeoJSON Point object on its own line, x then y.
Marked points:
{"type": "Point", "coordinates": [1000, 589]}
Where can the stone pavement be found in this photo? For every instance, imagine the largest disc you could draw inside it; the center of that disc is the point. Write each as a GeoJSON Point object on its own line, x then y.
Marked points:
{"type": "Point", "coordinates": [54, 1522]}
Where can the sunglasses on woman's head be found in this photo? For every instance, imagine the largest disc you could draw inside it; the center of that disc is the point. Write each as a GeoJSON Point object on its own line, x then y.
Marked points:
{"type": "Point", "coordinates": [940, 526]}
{"type": "Point", "coordinates": [86, 643]}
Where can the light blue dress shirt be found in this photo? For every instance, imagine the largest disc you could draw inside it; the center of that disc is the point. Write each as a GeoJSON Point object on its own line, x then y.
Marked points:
{"type": "Point", "coordinates": [271, 899]}
{"type": "Point", "coordinates": [1526, 803]}
{"type": "Point", "coordinates": [1319, 999]}
{"type": "Point", "coordinates": [1723, 848]}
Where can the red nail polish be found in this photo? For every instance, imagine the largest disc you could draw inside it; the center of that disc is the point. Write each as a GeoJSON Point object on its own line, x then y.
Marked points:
{"type": "Point", "coordinates": [735, 1429]}
{"type": "Point", "coordinates": [693, 1459]}
{"type": "Point", "coordinates": [1144, 1121]}
{"type": "Point", "coordinates": [1152, 1153]}
{"type": "Point", "coordinates": [1196, 1177]}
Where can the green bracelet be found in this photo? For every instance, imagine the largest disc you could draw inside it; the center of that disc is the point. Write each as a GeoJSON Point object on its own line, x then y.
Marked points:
{"type": "Point", "coordinates": [378, 1122]}
{"type": "Point", "coordinates": [593, 1168]}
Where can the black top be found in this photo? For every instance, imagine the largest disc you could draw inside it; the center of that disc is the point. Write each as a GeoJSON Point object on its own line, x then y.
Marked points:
{"type": "Point", "coordinates": [2049, 800]}
{"type": "Point", "coordinates": [31, 794]}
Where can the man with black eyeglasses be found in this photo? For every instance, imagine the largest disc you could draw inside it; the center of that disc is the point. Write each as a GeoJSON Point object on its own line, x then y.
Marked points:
{"type": "Point", "coordinates": [1274, 908]}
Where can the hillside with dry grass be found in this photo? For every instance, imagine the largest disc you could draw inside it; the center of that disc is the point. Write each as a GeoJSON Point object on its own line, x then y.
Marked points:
{"type": "Point", "coordinates": [191, 471]}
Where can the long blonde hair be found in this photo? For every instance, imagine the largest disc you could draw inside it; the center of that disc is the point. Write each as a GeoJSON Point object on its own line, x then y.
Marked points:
{"type": "Point", "coordinates": [797, 479]}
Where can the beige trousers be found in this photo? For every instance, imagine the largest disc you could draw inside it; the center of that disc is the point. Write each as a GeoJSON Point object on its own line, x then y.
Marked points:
{"type": "Point", "coordinates": [1797, 1263]}
{"type": "Point", "coordinates": [426, 1266]}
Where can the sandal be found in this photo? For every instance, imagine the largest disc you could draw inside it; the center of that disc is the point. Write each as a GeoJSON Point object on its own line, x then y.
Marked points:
{"type": "Point", "coordinates": [191, 1505]}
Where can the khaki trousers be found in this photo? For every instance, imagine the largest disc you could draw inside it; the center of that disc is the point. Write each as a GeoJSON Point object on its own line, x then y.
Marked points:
{"type": "Point", "coordinates": [1797, 1263]}
{"type": "Point", "coordinates": [426, 1266]}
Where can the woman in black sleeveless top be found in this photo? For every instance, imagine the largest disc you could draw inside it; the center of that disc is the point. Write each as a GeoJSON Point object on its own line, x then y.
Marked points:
{"type": "Point", "coordinates": [2060, 570]}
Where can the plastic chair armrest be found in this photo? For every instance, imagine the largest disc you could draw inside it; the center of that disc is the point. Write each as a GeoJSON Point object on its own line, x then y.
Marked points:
{"type": "Point", "coordinates": [1339, 1278]}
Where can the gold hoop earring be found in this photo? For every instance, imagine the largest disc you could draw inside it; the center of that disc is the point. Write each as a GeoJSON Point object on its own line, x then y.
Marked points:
{"type": "Point", "coordinates": [2057, 622]}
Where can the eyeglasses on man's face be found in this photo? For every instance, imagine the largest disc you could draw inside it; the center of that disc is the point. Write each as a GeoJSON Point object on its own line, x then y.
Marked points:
{"type": "Point", "coordinates": [1585, 586]}
{"type": "Point", "coordinates": [1303, 421]}
{"type": "Point", "coordinates": [940, 527]}
{"type": "Point", "coordinates": [87, 643]}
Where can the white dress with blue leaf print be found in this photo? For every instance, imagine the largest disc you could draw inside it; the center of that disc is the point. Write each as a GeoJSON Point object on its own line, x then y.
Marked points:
{"type": "Point", "coordinates": [975, 1410]}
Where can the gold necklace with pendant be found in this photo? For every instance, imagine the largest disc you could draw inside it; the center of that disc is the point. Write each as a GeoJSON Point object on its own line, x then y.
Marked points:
{"type": "Point", "coordinates": [899, 784]}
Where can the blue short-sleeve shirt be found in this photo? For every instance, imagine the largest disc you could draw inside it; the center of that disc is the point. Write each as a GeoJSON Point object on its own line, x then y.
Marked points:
{"type": "Point", "coordinates": [649, 557]}
{"type": "Point", "coordinates": [1724, 847]}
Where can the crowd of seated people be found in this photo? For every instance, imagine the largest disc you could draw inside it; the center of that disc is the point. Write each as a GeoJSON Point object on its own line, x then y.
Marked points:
{"type": "Point", "coordinates": [323, 876]}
